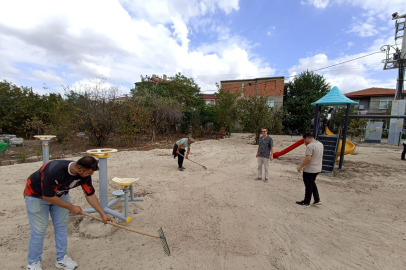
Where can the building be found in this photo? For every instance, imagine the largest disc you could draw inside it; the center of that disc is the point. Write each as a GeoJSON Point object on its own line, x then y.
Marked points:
{"type": "Point", "coordinates": [373, 100]}
{"type": "Point", "coordinates": [209, 99]}
{"type": "Point", "coordinates": [271, 87]}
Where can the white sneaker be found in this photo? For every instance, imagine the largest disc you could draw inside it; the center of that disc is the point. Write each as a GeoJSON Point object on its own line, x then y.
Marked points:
{"type": "Point", "coordinates": [66, 263]}
{"type": "Point", "coordinates": [34, 266]}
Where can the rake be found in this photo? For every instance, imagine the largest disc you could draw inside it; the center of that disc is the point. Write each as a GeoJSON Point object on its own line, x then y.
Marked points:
{"type": "Point", "coordinates": [204, 167]}
{"type": "Point", "coordinates": [160, 231]}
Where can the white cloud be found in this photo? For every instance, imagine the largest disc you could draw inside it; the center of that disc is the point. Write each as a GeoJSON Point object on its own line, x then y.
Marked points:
{"type": "Point", "coordinates": [316, 3]}
{"type": "Point", "coordinates": [48, 75]}
{"type": "Point", "coordinates": [101, 38]}
{"type": "Point", "coordinates": [375, 18]}
{"type": "Point", "coordinates": [364, 27]}
{"type": "Point", "coordinates": [352, 76]}
{"type": "Point", "coordinates": [269, 33]}
{"type": "Point", "coordinates": [350, 44]}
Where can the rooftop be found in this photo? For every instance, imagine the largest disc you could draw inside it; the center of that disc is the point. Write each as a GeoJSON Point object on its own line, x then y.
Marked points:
{"type": "Point", "coordinates": [256, 79]}
{"type": "Point", "coordinates": [209, 96]}
{"type": "Point", "coordinates": [373, 91]}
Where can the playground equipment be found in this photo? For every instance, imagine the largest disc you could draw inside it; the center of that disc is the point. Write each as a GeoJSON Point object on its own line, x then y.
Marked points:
{"type": "Point", "coordinates": [349, 146]}
{"type": "Point", "coordinates": [288, 149]}
{"type": "Point", "coordinates": [333, 98]}
{"type": "Point", "coordinates": [102, 155]}
{"type": "Point", "coordinates": [45, 146]}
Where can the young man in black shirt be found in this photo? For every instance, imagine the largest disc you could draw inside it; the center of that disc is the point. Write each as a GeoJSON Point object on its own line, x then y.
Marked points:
{"type": "Point", "coordinates": [47, 193]}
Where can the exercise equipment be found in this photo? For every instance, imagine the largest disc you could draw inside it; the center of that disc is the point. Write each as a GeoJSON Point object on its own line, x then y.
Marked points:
{"type": "Point", "coordinates": [45, 146]}
{"type": "Point", "coordinates": [121, 195]}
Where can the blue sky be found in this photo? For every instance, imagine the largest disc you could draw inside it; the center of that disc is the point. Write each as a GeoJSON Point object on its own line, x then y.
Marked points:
{"type": "Point", "coordinates": [72, 43]}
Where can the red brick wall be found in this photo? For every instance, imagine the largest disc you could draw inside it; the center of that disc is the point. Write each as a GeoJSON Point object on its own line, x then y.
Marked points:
{"type": "Point", "coordinates": [264, 88]}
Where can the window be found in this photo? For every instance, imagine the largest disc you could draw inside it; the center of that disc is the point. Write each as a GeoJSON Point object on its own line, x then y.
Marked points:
{"type": "Point", "coordinates": [384, 103]}
{"type": "Point", "coordinates": [208, 102]}
{"type": "Point", "coordinates": [270, 103]}
{"type": "Point", "coordinates": [356, 106]}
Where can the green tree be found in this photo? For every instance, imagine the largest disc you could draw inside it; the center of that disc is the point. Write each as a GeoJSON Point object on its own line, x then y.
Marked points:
{"type": "Point", "coordinates": [299, 93]}
{"type": "Point", "coordinates": [19, 106]}
{"type": "Point", "coordinates": [255, 113]}
{"type": "Point", "coordinates": [96, 113]}
{"type": "Point", "coordinates": [185, 92]}
{"type": "Point", "coordinates": [161, 111]}
{"type": "Point", "coordinates": [356, 126]}
{"type": "Point", "coordinates": [225, 108]}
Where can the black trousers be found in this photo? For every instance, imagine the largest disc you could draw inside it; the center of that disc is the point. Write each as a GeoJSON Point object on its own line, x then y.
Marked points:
{"type": "Point", "coordinates": [404, 151]}
{"type": "Point", "coordinates": [309, 180]}
{"type": "Point", "coordinates": [180, 158]}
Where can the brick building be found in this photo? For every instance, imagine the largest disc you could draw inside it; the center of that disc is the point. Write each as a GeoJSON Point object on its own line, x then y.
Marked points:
{"type": "Point", "coordinates": [272, 87]}
{"type": "Point", "coordinates": [209, 99]}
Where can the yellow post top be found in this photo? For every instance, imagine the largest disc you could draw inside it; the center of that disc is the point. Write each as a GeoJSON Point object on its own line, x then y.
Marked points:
{"type": "Point", "coordinates": [101, 153]}
{"type": "Point", "coordinates": [124, 181]}
{"type": "Point", "coordinates": [44, 137]}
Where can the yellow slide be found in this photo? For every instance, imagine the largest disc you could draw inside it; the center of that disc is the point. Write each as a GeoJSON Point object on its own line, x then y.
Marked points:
{"type": "Point", "coordinates": [349, 146]}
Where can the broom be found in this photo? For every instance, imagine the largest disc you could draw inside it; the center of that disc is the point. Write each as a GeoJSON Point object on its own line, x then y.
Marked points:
{"type": "Point", "coordinates": [204, 167]}
{"type": "Point", "coordinates": [160, 231]}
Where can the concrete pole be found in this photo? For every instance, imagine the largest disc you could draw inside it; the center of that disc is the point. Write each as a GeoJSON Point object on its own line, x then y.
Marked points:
{"type": "Point", "coordinates": [344, 139]}
{"type": "Point", "coordinates": [315, 124]}
{"type": "Point", "coordinates": [401, 64]}
{"type": "Point", "coordinates": [103, 182]}
{"type": "Point", "coordinates": [45, 152]}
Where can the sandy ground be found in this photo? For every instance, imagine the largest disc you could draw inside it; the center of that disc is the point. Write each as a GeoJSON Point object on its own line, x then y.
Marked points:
{"type": "Point", "coordinates": [223, 219]}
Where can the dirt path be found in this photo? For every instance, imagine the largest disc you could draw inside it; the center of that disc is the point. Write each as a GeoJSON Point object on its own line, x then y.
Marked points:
{"type": "Point", "coordinates": [223, 219]}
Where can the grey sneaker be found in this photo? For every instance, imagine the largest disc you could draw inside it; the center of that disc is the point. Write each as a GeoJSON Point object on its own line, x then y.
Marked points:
{"type": "Point", "coordinates": [180, 169]}
{"type": "Point", "coordinates": [34, 266]}
{"type": "Point", "coordinates": [66, 263]}
{"type": "Point", "coordinates": [183, 168]}
{"type": "Point", "coordinates": [258, 178]}
{"type": "Point", "coordinates": [317, 203]}
{"type": "Point", "coordinates": [266, 181]}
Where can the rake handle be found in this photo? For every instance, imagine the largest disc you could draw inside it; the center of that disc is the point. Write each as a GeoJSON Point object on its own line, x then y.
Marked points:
{"type": "Point", "coordinates": [119, 226]}
{"type": "Point", "coordinates": [191, 160]}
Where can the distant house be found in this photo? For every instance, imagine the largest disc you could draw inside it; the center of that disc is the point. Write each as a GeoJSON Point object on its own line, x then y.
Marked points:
{"type": "Point", "coordinates": [120, 99]}
{"type": "Point", "coordinates": [209, 99]}
{"type": "Point", "coordinates": [373, 100]}
{"type": "Point", "coordinates": [271, 87]}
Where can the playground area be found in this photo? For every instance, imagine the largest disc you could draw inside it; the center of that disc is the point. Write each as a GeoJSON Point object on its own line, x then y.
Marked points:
{"type": "Point", "coordinates": [221, 218]}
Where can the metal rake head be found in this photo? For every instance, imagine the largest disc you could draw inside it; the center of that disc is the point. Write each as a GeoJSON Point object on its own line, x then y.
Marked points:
{"type": "Point", "coordinates": [164, 243]}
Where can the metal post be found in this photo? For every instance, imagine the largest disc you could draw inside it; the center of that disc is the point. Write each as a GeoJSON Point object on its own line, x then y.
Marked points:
{"type": "Point", "coordinates": [399, 85]}
{"type": "Point", "coordinates": [132, 192]}
{"type": "Point", "coordinates": [315, 122]}
{"type": "Point", "coordinates": [126, 201]}
{"type": "Point", "coordinates": [45, 152]}
{"type": "Point", "coordinates": [103, 182]}
{"type": "Point", "coordinates": [344, 140]}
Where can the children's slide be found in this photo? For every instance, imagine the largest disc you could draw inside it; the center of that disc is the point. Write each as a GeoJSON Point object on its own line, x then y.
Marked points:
{"type": "Point", "coordinates": [349, 146]}
{"type": "Point", "coordinates": [290, 148]}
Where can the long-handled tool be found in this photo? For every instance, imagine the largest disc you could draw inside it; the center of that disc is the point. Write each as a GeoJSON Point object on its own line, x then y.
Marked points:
{"type": "Point", "coordinates": [160, 231]}
{"type": "Point", "coordinates": [204, 167]}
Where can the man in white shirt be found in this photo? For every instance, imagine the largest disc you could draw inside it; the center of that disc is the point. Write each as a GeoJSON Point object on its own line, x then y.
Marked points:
{"type": "Point", "coordinates": [311, 167]}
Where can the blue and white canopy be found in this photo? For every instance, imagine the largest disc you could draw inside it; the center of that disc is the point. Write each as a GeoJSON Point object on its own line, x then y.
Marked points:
{"type": "Point", "coordinates": [334, 97]}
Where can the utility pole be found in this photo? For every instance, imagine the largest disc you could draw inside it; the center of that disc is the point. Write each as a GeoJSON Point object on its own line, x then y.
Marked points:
{"type": "Point", "coordinates": [397, 60]}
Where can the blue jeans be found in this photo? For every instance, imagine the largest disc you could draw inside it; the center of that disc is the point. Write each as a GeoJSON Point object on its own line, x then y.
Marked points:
{"type": "Point", "coordinates": [38, 212]}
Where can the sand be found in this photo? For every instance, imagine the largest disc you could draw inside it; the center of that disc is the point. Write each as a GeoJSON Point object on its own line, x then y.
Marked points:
{"type": "Point", "coordinates": [223, 219]}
